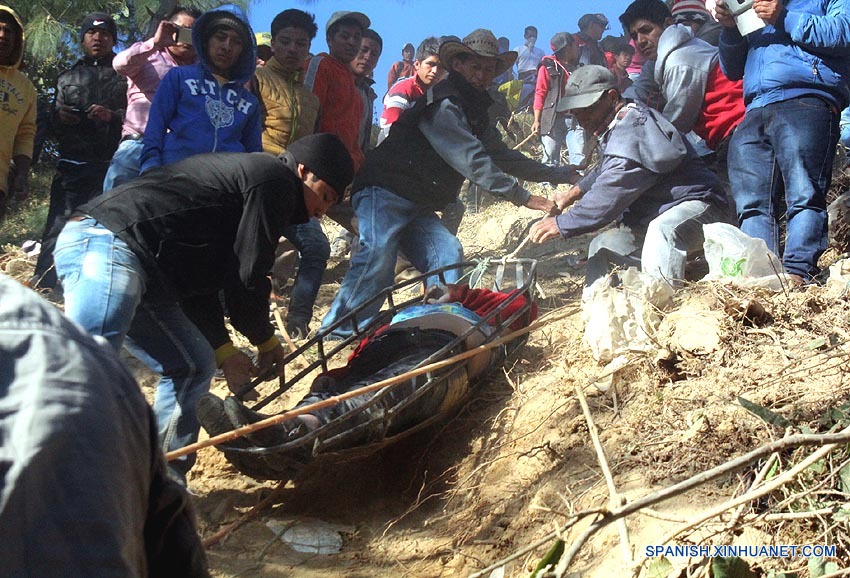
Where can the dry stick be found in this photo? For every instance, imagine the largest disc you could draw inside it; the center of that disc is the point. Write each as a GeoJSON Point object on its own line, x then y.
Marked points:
{"type": "Point", "coordinates": [682, 487]}
{"type": "Point", "coordinates": [776, 482]}
{"type": "Point", "coordinates": [513, 253]}
{"type": "Point", "coordinates": [844, 572]}
{"type": "Point", "coordinates": [615, 499]}
{"type": "Point", "coordinates": [288, 415]}
{"type": "Point", "coordinates": [525, 140]}
{"type": "Point", "coordinates": [780, 516]}
{"type": "Point", "coordinates": [252, 513]}
{"type": "Point", "coordinates": [756, 483]}
{"type": "Point", "coordinates": [283, 331]}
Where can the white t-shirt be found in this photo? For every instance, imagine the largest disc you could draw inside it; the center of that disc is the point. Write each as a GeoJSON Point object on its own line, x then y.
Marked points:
{"type": "Point", "coordinates": [528, 58]}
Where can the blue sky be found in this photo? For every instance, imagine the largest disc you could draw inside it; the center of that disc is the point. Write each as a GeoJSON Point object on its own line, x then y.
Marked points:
{"type": "Point", "coordinates": [401, 21]}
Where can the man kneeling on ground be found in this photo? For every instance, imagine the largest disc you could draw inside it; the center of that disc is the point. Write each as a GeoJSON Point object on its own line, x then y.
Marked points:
{"type": "Point", "coordinates": [649, 175]}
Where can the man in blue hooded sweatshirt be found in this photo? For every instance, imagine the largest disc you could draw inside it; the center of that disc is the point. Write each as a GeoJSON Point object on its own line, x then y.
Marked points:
{"type": "Point", "coordinates": [205, 107]}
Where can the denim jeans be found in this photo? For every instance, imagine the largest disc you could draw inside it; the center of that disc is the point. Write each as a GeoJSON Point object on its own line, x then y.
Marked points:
{"type": "Point", "coordinates": [314, 251]}
{"type": "Point", "coordinates": [676, 234]}
{"type": "Point", "coordinates": [578, 144]}
{"type": "Point", "coordinates": [73, 185]}
{"type": "Point", "coordinates": [389, 223]}
{"type": "Point", "coordinates": [553, 142]}
{"type": "Point", "coordinates": [125, 165]}
{"type": "Point", "coordinates": [105, 287]}
{"type": "Point", "coordinates": [785, 148]}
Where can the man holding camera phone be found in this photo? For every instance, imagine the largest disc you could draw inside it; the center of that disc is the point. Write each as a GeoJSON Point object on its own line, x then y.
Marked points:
{"type": "Point", "coordinates": [88, 111]}
{"type": "Point", "coordinates": [144, 64]}
{"type": "Point", "coordinates": [795, 70]}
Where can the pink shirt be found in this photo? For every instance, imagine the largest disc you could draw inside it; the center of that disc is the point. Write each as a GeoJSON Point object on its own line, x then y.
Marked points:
{"type": "Point", "coordinates": [144, 66]}
{"type": "Point", "coordinates": [637, 61]}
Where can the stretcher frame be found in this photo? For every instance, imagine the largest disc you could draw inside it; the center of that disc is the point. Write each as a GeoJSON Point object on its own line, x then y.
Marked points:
{"type": "Point", "coordinates": [333, 440]}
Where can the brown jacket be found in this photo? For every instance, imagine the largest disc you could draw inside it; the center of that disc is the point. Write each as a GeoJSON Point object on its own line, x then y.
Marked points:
{"type": "Point", "coordinates": [289, 111]}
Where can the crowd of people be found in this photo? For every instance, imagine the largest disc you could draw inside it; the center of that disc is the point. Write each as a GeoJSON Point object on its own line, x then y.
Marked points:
{"type": "Point", "coordinates": [186, 158]}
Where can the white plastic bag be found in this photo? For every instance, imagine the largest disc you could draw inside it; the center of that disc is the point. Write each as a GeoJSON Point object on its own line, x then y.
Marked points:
{"type": "Point", "coordinates": [623, 318]}
{"type": "Point", "coordinates": [735, 256]}
{"type": "Point", "coordinates": [620, 240]}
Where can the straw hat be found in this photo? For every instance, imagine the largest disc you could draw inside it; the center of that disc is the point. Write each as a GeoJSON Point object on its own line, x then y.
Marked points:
{"type": "Point", "coordinates": [479, 42]}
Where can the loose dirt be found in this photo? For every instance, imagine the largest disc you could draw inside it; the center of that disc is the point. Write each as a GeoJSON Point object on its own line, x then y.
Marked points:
{"type": "Point", "coordinates": [518, 459]}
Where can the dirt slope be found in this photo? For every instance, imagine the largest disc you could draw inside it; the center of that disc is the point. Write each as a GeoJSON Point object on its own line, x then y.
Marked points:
{"type": "Point", "coordinates": [518, 458]}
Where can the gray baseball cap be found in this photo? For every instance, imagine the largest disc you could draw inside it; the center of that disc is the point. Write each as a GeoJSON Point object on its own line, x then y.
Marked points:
{"type": "Point", "coordinates": [560, 40]}
{"type": "Point", "coordinates": [585, 87]}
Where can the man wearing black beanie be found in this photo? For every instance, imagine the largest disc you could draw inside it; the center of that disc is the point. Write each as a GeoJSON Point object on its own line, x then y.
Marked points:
{"type": "Point", "coordinates": [86, 119]}
{"type": "Point", "coordinates": [147, 260]}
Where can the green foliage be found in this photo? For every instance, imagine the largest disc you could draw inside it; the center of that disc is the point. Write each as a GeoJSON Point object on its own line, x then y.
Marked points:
{"type": "Point", "coordinates": [660, 568]}
{"type": "Point", "coordinates": [764, 413]}
{"type": "Point", "coordinates": [836, 416]}
{"type": "Point", "coordinates": [550, 558]}
{"type": "Point", "coordinates": [52, 30]}
{"type": "Point", "coordinates": [819, 567]}
{"type": "Point", "coordinates": [26, 220]}
{"type": "Point", "coordinates": [732, 567]}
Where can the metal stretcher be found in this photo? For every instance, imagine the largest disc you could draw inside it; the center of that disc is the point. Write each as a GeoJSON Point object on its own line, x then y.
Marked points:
{"type": "Point", "coordinates": [349, 436]}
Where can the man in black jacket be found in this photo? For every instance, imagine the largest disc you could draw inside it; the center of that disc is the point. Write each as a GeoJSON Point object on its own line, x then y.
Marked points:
{"type": "Point", "coordinates": [147, 261]}
{"type": "Point", "coordinates": [88, 112]}
{"type": "Point", "coordinates": [419, 168]}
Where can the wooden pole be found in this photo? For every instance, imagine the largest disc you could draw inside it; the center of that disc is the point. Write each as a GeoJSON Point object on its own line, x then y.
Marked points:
{"type": "Point", "coordinates": [293, 413]}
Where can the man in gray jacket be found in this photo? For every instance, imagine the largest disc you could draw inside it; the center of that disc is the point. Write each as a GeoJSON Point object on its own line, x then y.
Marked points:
{"type": "Point", "coordinates": [419, 168]}
{"type": "Point", "coordinates": [681, 77]}
{"type": "Point", "coordinates": [83, 484]}
{"type": "Point", "coordinates": [650, 178]}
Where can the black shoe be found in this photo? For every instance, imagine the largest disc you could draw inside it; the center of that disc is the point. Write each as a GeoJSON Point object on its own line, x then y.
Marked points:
{"type": "Point", "coordinates": [211, 414]}
{"type": "Point", "coordinates": [297, 330]}
{"type": "Point", "coordinates": [274, 435]}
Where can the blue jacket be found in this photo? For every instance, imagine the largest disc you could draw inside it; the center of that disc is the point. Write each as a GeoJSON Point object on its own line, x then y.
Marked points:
{"type": "Point", "coordinates": [807, 52]}
{"type": "Point", "coordinates": [192, 114]}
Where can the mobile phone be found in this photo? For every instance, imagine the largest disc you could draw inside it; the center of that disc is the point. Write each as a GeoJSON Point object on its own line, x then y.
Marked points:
{"type": "Point", "coordinates": [737, 7]}
{"type": "Point", "coordinates": [184, 35]}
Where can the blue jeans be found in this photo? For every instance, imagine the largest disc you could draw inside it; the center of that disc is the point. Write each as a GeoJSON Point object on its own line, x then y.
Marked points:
{"type": "Point", "coordinates": [676, 234]}
{"type": "Point", "coordinates": [666, 243]}
{"type": "Point", "coordinates": [125, 164]}
{"type": "Point", "coordinates": [578, 143]}
{"type": "Point", "coordinates": [553, 142]}
{"type": "Point", "coordinates": [785, 149]}
{"type": "Point", "coordinates": [314, 251]}
{"type": "Point", "coordinates": [105, 287]}
{"type": "Point", "coordinates": [388, 223]}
